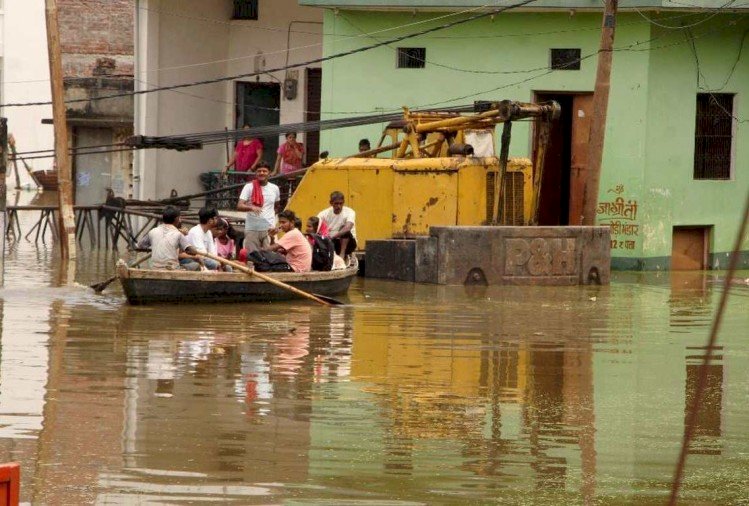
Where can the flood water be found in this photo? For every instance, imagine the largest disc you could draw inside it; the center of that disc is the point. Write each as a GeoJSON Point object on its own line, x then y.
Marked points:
{"type": "Point", "coordinates": [412, 394]}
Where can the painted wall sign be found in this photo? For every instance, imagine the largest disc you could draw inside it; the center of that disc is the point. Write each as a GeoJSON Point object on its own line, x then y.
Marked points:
{"type": "Point", "coordinates": [620, 214]}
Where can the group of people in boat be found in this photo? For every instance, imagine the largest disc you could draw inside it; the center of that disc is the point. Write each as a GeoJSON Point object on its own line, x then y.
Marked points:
{"type": "Point", "coordinates": [266, 232]}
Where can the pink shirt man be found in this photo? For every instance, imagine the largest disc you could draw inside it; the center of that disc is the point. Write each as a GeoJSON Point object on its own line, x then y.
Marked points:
{"type": "Point", "coordinates": [298, 250]}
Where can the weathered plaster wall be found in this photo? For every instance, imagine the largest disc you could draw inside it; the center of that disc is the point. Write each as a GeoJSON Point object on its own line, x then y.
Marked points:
{"type": "Point", "coordinates": [671, 196]}
{"type": "Point", "coordinates": [269, 35]}
{"type": "Point", "coordinates": [193, 40]}
{"type": "Point", "coordinates": [178, 40]}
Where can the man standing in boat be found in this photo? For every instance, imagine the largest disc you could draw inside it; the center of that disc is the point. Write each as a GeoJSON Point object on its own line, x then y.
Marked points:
{"type": "Point", "coordinates": [168, 244]}
{"type": "Point", "coordinates": [341, 223]}
{"type": "Point", "coordinates": [259, 199]}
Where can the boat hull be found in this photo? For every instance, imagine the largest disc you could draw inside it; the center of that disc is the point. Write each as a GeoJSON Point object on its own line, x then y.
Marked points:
{"type": "Point", "coordinates": [143, 286]}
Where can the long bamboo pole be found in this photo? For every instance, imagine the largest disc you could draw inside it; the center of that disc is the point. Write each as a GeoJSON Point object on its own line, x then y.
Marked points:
{"type": "Point", "coordinates": [3, 193]}
{"type": "Point", "coordinates": [62, 156]}
{"type": "Point", "coordinates": [600, 107]}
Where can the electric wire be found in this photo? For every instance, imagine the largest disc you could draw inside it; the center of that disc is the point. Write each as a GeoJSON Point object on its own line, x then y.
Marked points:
{"type": "Point", "coordinates": [671, 27]}
{"type": "Point", "coordinates": [295, 65]}
{"type": "Point", "coordinates": [449, 37]}
{"type": "Point", "coordinates": [631, 47]}
{"type": "Point", "coordinates": [701, 77]}
{"type": "Point", "coordinates": [279, 51]}
{"type": "Point", "coordinates": [223, 135]}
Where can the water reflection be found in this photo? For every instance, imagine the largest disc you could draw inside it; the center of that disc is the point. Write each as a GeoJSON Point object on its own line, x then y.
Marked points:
{"type": "Point", "coordinates": [415, 393]}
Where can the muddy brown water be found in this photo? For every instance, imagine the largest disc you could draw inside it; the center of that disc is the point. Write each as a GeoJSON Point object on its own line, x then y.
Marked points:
{"type": "Point", "coordinates": [413, 394]}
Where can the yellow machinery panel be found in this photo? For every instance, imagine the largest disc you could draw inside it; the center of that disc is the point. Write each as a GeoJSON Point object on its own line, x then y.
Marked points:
{"type": "Point", "coordinates": [313, 193]}
{"type": "Point", "coordinates": [404, 197]}
{"type": "Point", "coordinates": [423, 198]}
{"type": "Point", "coordinates": [371, 196]}
{"type": "Point", "coordinates": [472, 195]}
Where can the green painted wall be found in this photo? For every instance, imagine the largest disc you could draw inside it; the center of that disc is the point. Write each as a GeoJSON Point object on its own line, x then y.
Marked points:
{"type": "Point", "coordinates": [672, 197]}
{"type": "Point", "coordinates": [649, 148]}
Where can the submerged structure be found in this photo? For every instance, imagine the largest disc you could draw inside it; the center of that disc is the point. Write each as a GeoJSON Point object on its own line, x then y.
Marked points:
{"type": "Point", "coordinates": [442, 172]}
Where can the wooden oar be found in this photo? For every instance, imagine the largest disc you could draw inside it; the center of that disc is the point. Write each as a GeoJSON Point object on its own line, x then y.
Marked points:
{"type": "Point", "coordinates": [327, 301]}
{"type": "Point", "coordinates": [99, 287]}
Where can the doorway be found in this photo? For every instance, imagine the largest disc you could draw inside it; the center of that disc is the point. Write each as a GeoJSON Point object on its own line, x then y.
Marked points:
{"type": "Point", "coordinates": [258, 105]}
{"type": "Point", "coordinates": [689, 248]}
{"type": "Point", "coordinates": [564, 171]}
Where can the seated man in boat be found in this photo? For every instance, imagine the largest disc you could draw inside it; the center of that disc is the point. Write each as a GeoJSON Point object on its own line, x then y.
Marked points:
{"type": "Point", "coordinates": [259, 200]}
{"type": "Point", "coordinates": [201, 238]}
{"type": "Point", "coordinates": [168, 244]}
{"type": "Point", "coordinates": [293, 245]}
{"type": "Point", "coordinates": [340, 222]}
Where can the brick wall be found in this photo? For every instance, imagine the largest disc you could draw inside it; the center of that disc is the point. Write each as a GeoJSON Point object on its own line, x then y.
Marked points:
{"type": "Point", "coordinates": [96, 37]}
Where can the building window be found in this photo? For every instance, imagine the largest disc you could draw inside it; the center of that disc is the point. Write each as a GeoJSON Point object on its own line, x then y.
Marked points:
{"type": "Point", "coordinates": [713, 136]}
{"type": "Point", "coordinates": [411, 57]}
{"type": "Point", "coordinates": [245, 9]}
{"type": "Point", "coordinates": [565, 59]}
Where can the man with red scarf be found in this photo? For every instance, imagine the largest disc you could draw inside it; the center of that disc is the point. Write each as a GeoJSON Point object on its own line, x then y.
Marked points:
{"type": "Point", "coordinates": [259, 199]}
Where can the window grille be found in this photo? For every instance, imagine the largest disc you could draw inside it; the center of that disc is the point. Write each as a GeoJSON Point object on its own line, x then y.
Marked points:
{"type": "Point", "coordinates": [245, 9]}
{"type": "Point", "coordinates": [565, 59]}
{"type": "Point", "coordinates": [411, 57]}
{"type": "Point", "coordinates": [713, 136]}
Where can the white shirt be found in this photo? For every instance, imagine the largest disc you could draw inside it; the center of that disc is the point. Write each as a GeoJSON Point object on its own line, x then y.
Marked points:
{"type": "Point", "coordinates": [267, 217]}
{"type": "Point", "coordinates": [202, 241]}
{"type": "Point", "coordinates": [335, 222]}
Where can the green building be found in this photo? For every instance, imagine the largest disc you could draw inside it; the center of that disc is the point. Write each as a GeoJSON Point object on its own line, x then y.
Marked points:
{"type": "Point", "coordinates": [676, 161]}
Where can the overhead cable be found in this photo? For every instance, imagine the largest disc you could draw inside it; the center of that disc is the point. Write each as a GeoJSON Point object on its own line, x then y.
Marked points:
{"type": "Point", "coordinates": [291, 66]}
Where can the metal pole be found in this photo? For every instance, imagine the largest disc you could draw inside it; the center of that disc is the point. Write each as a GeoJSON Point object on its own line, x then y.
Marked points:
{"type": "Point", "coordinates": [499, 176]}
{"type": "Point", "coordinates": [3, 192]}
{"type": "Point", "coordinates": [600, 105]}
{"type": "Point", "coordinates": [62, 156]}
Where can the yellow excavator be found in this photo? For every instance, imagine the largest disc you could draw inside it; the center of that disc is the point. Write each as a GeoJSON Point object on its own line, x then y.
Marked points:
{"type": "Point", "coordinates": [436, 168]}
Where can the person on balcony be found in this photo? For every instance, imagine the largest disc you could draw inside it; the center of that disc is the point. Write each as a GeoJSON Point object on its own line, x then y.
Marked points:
{"type": "Point", "coordinates": [247, 155]}
{"type": "Point", "coordinates": [290, 155]}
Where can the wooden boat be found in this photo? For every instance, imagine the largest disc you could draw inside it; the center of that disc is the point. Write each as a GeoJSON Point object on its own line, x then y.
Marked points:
{"type": "Point", "coordinates": [47, 179]}
{"type": "Point", "coordinates": [146, 286]}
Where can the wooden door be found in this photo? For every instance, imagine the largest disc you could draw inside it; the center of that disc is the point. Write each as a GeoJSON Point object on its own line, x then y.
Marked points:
{"type": "Point", "coordinates": [314, 93]}
{"type": "Point", "coordinates": [582, 111]}
{"type": "Point", "coordinates": [689, 249]}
